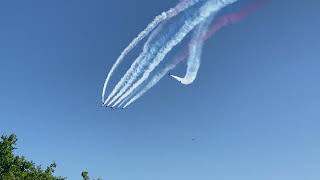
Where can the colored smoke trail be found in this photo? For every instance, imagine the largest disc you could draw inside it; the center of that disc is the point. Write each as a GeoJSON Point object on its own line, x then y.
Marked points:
{"type": "Point", "coordinates": [194, 62]}
{"type": "Point", "coordinates": [164, 34]}
{"type": "Point", "coordinates": [195, 51]}
{"type": "Point", "coordinates": [135, 70]}
{"type": "Point", "coordinates": [205, 12]}
{"type": "Point", "coordinates": [217, 26]}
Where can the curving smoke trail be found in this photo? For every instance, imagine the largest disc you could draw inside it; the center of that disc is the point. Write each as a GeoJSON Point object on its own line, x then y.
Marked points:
{"type": "Point", "coordinates": [155, 79]}
{"type": "Point", "coordinates": [221, 23]}
{"type": "Point", "coordinates": [166, 33]}
{"type": "Point", "coordinates": [158, 19]}
{"type": "Point", "coordinates": [194, 46]}
{"type": "Point", "coordinates": [205, 11]}
{"type": "Point", "coordinates": [195, 50]}
{"type": "Point", "coordinates": [143, 59]}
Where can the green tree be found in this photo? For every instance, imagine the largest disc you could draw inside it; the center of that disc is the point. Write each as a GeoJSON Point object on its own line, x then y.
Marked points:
{"type": "Point", "coordinates": [14, 167]}
{"type": "Point", "coordinates": [85, 175]}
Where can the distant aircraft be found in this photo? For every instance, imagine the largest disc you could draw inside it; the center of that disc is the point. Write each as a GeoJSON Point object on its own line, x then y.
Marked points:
{"type": "Point", "coordinates": [111, 108]}
{"type": "Point", "coordinates": [169, 74]}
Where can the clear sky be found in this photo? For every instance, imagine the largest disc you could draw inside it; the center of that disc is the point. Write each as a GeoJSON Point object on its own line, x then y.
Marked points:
{"type": "Point", "coordinates": [253, 110]}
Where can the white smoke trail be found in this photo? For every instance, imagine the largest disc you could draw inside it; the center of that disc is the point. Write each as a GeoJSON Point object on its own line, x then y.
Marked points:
{"type": "Point", "coordinates": [222, 22]}
{"type": "Point", "coordinates": [206, 10]}
{"type": "Point", "coordinates": [198, 32]}
{"type": "Point", "coordinates": [153, 82]}
{"type": "Point", "coordinates": [128, 78]}
{"type": "Point", "coordinates": [195, 50]}
{"type": "Point", "coordinates": [135, 41]}
{"type": "Point", "coordinates": [158, 19]}
{"type": "Point", "coordinates": [139, 63]}
{"type": "Point", "coordinates": [137, 66]}
{"type": "Point", "coordinates": [140, 60]}
{"type": "Point", "coordinates": [195, 43]}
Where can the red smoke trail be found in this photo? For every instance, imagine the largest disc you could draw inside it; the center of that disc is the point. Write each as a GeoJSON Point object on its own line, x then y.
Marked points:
{"type": "Point", "coordinates": [234, 17]}
{"type": "Point", "coordinates": [223, 22]}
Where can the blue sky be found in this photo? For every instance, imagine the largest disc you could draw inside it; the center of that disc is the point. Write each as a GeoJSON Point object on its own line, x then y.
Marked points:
{"type": "Point", "coordinates": [253, 110]}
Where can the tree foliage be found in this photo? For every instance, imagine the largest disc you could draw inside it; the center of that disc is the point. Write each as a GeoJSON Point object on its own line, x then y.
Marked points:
{"type": "Point", "coordinates": [85, 176]}
{"type": "Point", "coordinates": [14, 167]}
